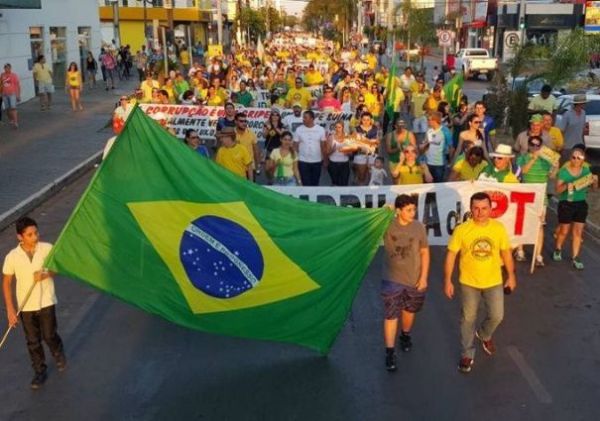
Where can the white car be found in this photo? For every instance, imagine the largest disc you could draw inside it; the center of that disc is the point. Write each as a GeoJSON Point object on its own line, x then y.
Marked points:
{"type": "Point", "coordinates": [476, 61]}
{"type": "Point", "coordinates": [591, 133]}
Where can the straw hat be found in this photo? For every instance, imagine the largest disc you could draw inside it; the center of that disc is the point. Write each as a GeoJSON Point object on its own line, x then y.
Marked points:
{"type": "Point", "coordinates": [502, 151]}
{"type": "Point", "coordinates": [226, 131]}
{"type": "Point", "coordinates": [579, 99]}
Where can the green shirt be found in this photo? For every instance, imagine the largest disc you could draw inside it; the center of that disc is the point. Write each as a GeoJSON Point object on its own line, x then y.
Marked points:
{"type": "Point", "coordinates": [566, 177]}
{"type": "Point", "coordinates": [539, 171]}
{"type": "Point", "coordinates": [245, 98]}
{"type": "Point", "coordinates": [490, 174]}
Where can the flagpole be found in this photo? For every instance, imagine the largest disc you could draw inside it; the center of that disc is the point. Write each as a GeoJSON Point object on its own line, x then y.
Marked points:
{"type": "Point", "coordinates": [18, 312]}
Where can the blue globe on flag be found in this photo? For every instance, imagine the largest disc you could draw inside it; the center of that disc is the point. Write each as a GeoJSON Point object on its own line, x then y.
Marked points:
{"type": "Point", "coordinates": [220, 257]}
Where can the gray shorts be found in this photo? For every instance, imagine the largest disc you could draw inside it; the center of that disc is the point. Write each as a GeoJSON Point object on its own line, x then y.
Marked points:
{"type": "Point", "coordinates": [9, 101]}
{"type": "Point", "coordinates": [45, 88]}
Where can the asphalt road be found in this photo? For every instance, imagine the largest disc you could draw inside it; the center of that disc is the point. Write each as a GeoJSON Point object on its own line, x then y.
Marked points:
{"type": "Point", "coordinates": [126, 364]}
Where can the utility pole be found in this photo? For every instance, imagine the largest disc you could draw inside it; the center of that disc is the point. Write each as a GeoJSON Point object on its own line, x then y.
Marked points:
{"type": "Point", "coordinates": [522, 18]}
{"type": "Point", "coordinates": [117, 32]}
{"type": "Point", "coordinates": [219, 23]}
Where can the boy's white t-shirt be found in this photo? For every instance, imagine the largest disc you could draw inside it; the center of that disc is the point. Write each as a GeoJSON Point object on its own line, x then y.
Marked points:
{"type": "Point", "coordinates": [17, 263]}
{"type": "Point", "coordinates": [378, 176]}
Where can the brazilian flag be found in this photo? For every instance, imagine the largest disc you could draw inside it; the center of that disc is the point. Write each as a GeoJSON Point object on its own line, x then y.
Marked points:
{"type": "Point", "coordinates": [453, 90]}
{"type": "Point", "coordinates": [177, 235]}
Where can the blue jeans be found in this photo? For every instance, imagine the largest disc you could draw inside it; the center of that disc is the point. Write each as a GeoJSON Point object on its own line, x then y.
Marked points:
{"type": "Point", "coordinates": [493, 298]}
{"type": "Point", "coordinates": [437, 172]}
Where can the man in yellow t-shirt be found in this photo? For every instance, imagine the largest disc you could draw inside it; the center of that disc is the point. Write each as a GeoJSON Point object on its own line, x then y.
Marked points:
{"type": "Point", "coordinates": [233, 156]}
{"type": "Point", "coordinates": [313, 77]}
{"type": "Point", "coordinates": [484, 246]}
{"type": "Point", "coordinates": [298, 94]}
{"type": "Point", "coordinates": [247, 138]}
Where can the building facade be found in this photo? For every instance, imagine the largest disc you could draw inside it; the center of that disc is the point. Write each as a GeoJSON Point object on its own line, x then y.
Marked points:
{"type": "Point", "coordinates": [193, 19]}
{"type": "Point", "coordinates": [61, 37]}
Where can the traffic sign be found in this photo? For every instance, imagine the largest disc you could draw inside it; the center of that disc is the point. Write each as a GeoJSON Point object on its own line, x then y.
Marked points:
{"type": "Point", "coordinates": [445, 38]}
{"type": "Point", "coordinates": [512, 40]}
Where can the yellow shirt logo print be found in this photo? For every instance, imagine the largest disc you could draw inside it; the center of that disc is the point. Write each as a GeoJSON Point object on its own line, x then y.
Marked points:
{"type": "Point", "coordinates": [220, 256]}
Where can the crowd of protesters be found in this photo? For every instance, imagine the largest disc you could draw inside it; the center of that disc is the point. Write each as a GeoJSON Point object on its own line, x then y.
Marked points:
{"type": "Point", "coordinates": [403, 119]}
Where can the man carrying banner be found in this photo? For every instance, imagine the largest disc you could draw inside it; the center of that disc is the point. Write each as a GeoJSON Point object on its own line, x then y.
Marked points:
{"type": "Point", "coordinates": [484, 246]}
{"type": "Point", "coordinates": [405, 271]}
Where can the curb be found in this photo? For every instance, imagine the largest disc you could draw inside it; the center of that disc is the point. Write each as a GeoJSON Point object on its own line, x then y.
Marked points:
{"type": "Point", "coordinates": [36, 199]}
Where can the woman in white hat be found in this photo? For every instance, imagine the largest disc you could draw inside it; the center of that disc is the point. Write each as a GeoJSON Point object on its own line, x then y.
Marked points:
{"type": "Point", "coordinates": [500, 169]}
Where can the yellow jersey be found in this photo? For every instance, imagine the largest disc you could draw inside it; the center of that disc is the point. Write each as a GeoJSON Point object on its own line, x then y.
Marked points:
{"type": "Point", "coordinates": [480, 246]}
{"type": "Point", "coordinates": [236, 159]}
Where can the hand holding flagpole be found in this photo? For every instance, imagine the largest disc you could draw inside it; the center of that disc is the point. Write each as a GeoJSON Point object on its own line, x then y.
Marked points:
{"type": "Point", "coordinates": [18, 312]}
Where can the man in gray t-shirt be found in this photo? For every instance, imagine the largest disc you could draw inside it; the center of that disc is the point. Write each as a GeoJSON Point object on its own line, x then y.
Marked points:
{"type": "Point", "coordinates": [405, 271]}
{"type": "Point", "coordinates": [573, 123]}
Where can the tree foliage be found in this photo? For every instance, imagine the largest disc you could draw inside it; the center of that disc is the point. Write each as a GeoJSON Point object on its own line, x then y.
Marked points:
{"type": "Point", "coordinates": [330, 16]}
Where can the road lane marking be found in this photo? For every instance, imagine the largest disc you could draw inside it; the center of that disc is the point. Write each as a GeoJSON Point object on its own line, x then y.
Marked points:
{"type": "Point", "coordinates": [534, 382]}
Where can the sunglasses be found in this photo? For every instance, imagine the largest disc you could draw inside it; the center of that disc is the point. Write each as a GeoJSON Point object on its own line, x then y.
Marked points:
{"type": "Point", "coordinates": [499, 158]}
{"type": "Point", "coordinates": [577, 157]}
{"type": "Point", "coordinates": [242, 121]}
{"type": "Point", "coordinates": [535, 145]}
{"type": "Point", "coordinates": [476, 122]}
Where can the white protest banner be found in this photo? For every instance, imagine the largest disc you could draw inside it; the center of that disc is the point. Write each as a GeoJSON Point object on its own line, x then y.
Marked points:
{"type": "Point", "coordinates": [442, 206]}
{"type": "Point", "coordinates": [204, 119]}
{"type": "Point", "coordinates": [263, 98]}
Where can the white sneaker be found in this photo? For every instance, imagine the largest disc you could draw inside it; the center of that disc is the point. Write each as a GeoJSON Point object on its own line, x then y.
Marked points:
{"type": "Point", "coordinates": [539, 261]}
{"type": "Point", "coordinates": [520, 255]}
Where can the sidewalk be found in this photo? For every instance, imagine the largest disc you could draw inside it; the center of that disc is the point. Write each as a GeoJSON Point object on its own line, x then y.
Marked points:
{"type": "Point", "coordinates": [50, 144]}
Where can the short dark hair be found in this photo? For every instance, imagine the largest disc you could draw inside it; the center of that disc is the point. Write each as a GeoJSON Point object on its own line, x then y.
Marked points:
{"type": "Point", "coordinates": [240, 115]}
{"type": "Point", "coordinates": [310, 113]}
{"type": "Point", "coordinates": [24, 222]}
{"type": "Point", "coordinates": [163, 92]}
{"type": "Point", "coordinates": [547, 89]}
{"type": "Point", "coordinates": [579, 146]}
{"type": "Point", "coordinates": [405, 200]}
{"type": "Point", "coordinates": [475, 150]}
{"type": "Point", "coordinates": [481, 195]}
{"type": "Point", "coordinates": [188, 132]}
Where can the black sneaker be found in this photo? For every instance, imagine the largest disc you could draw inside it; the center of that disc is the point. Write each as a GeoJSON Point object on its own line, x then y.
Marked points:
{"type": "Point", "coordinates": [390, 361]}
{"type": "Point", "coordinates": [38, 380]}
{"type": "Point", "coordinates": [405, 342]}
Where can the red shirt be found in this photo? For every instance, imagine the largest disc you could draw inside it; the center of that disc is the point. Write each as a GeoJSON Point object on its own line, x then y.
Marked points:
{"type": "Point", "coordinates": [331, 103]}
{"type": "Point", "coordinates": [10, 84]}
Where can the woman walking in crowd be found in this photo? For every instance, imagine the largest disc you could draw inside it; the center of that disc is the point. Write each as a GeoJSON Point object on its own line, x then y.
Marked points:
{"type": "Point", "coordinates": [572, 184]}
{"type": "Point", "coordinates": [409, 170]}
{"type": "Point", "coordinates": [396, 141]}
{"type": "Point", "coordinates": [283, 163]}
{"type": "Point", "coordinates": [273, 129]}
{"type": "Point", "coordinates": [368, 131]}
{"type": "Point", "coordinates": [91, 68]}
{"type": "Point", "coordinates": [339, 162]}
{"type": "Point", "coordinates": [474, 135]}
{"type": "Point", "coordinates": [74, 85]}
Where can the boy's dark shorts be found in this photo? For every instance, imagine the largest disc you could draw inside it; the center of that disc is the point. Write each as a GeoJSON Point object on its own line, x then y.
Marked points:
{"type": "Point", "coordinates": [569, 212]}
{"type": "Point", "coordinates": [408, 299]}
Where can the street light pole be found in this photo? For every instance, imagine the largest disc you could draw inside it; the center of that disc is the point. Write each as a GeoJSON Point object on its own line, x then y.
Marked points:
{"type": "Point", "coordinates": [219, 23]}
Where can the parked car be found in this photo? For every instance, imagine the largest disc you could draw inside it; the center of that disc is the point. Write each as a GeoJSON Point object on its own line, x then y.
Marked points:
{"type": "Point", "coordinates": [534, 87]}
{"type": "Point", "coordinates": [476, 61]}
{"type": "Point", "coordinates": [591, 133]}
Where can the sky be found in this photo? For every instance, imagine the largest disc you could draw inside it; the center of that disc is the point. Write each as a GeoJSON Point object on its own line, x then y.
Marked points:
{"type": "Point", "coordinates": [294, 6]}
